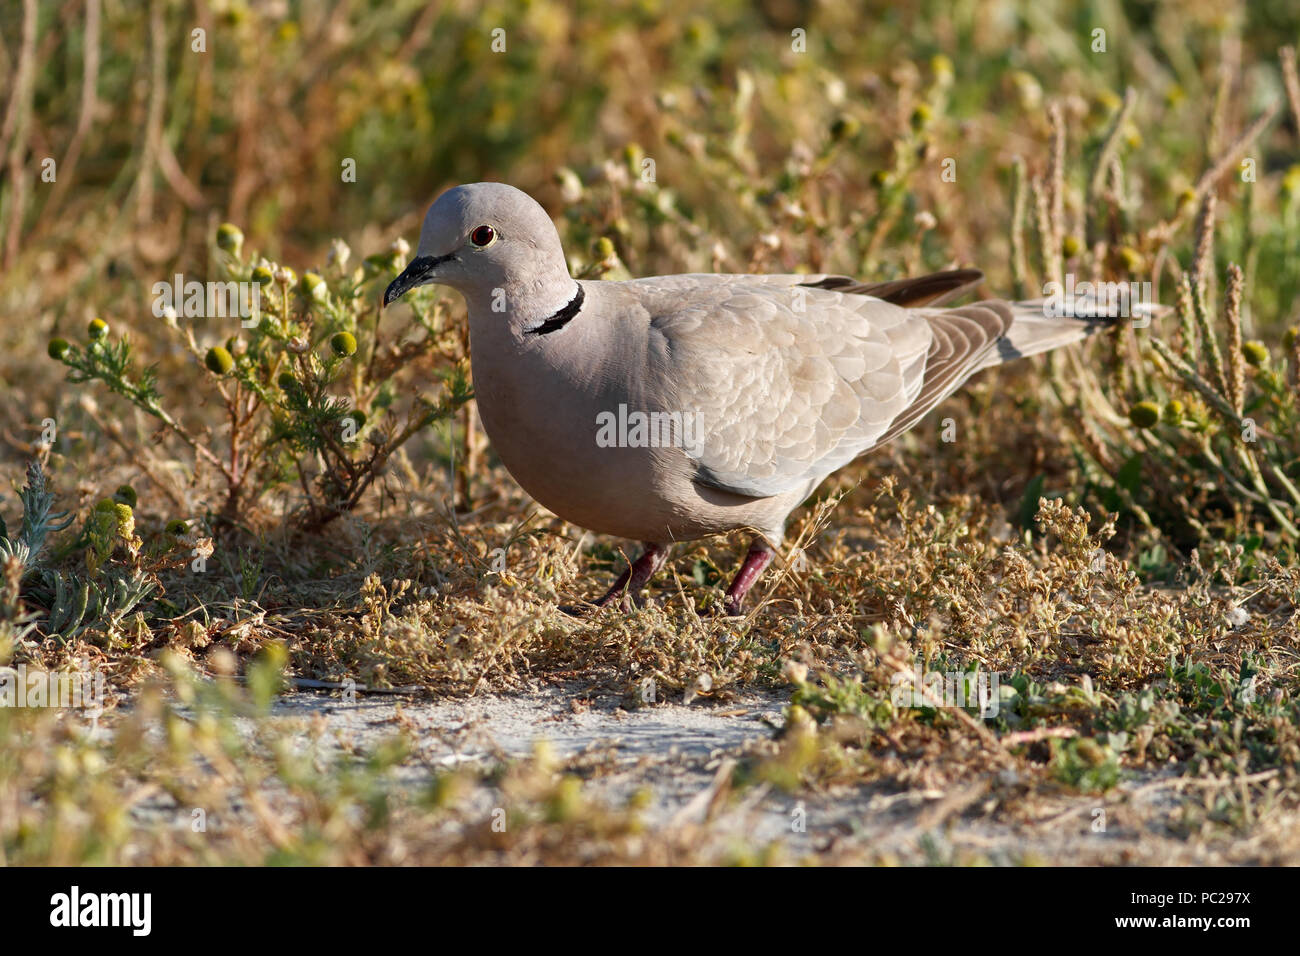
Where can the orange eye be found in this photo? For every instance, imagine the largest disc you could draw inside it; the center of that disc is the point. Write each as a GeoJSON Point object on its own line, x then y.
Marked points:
{"type": "Point", "coordinates": [482, 235]}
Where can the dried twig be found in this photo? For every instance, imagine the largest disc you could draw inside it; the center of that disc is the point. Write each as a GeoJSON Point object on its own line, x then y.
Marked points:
{"type": "Point", "coordinates": [1102, 168]}
{"type": "Point", "coordinates": [1232, 318]}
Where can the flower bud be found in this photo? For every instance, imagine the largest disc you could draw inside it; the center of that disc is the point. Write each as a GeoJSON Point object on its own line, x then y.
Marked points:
{"type": "Point", "coordinates": [1255, 352]}
{"type": "Point", "coordinates": [230, 239]}
{"type": "Point", "coordinates": [569, 183]}
{"type": "Point", "coordinates": [125, 520]}
{"type": "Point", "coordinates": [340, 253]}
{"type": "Point", "coordinates": [1144, 414]}
{"type": "Point", "coordinates": [313, 286]}
{"type": "Point", "coordinates": [1291, 181]}
{"type": "Point", "coordinates": [219, 360]}
{"type": "Point", "coordinates": [343, 344]}
{"type": "Point", "coordinates": [844, 127]}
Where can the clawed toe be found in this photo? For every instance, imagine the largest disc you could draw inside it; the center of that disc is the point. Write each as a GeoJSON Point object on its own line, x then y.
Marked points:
{"type": "Point", "coordinates": [624, 602]}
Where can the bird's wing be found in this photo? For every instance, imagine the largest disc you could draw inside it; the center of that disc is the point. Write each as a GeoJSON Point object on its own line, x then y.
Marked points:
{"type": "Point", "coordinates": [932, 289]}
{"type": "Point", "coordinates": [784, 383]}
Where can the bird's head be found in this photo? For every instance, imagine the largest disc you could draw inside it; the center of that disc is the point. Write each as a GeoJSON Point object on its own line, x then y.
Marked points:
{"type": "Point", "coordinates": [481, 237]}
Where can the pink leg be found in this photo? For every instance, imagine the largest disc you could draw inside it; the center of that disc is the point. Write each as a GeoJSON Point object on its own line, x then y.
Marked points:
{"type": "Point", "coordinates": [638, 575]}
{"type": "Point", "coordinates": [756, 561]}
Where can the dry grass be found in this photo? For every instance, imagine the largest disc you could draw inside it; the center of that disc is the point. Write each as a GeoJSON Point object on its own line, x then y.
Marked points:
{"type": "Point", "coordinates": [1101, 536]}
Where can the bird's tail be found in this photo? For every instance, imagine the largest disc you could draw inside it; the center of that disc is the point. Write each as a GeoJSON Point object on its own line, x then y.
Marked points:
{"type": "Point", "coordinates": [1038, 325]}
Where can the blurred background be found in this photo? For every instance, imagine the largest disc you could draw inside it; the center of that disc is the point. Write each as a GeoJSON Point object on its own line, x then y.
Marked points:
{"type": "Point", "coordinates": [1114, 529]}
{"type": "Point", "coordinates": [664, 135]}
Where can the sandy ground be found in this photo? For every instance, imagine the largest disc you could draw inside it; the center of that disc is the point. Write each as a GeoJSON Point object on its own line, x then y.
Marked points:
{"type": "Point", "coordinates": [681, 753]}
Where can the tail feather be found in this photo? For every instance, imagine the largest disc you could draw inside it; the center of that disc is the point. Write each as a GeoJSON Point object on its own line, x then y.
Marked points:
{"type": "Point", "coordinates": [1035, 329]}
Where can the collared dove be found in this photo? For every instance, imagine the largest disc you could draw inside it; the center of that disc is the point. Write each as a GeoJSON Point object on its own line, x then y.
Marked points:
{"type": "Point", "coordinates": [671, 408]}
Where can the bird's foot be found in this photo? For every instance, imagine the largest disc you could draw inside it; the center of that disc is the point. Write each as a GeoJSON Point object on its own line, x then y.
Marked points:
{"type": "Point", "coordinates": [756, 561]}
{"type": "Point", "coordinates": [629, 583]}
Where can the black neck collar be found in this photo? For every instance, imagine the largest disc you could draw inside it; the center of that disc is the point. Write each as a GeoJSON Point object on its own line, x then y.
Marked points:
{"type": "Point", "coordinates": [560, 319]}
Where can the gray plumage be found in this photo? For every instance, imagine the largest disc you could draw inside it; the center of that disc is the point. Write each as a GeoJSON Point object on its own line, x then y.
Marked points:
{"type": "Point", "coordinates": [783, 378]}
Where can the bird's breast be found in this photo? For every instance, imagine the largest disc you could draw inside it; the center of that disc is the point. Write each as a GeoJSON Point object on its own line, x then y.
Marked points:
{"type": "Point", "coordinates": [579, 447]}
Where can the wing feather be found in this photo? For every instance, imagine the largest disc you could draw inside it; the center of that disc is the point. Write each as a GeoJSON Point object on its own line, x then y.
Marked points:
{"type": "Point", "coordinates": [786, 383]}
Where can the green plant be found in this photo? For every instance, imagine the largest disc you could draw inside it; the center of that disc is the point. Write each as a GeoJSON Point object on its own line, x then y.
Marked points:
{"type": "Point", "coordinates": [312, 391]}
{"type": "Point", "coordinates": [1192, 434]}
{"type": "Point", "coordinates": [117, 578]}
{"type": "Point", "coordinates": [39, 521]}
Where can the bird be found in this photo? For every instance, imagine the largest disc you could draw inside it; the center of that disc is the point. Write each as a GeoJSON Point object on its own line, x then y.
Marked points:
{"type": "Point", "coordinates": [671, 408]}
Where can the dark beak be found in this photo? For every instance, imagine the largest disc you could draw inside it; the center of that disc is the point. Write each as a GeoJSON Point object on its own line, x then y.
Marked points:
{"type": "Point", "coordinates": [418, 272]}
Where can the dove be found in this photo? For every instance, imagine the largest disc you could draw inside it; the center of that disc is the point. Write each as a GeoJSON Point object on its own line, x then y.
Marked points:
{"type": "Point", "coordinates": [671, 408]}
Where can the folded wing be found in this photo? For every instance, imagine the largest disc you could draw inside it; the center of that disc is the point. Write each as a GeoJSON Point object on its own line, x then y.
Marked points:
{"type": "Point", "coordinates": [788, 378]}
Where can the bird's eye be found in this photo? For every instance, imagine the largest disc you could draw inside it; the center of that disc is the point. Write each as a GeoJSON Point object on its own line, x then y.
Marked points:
{"type": "Point", "coordinates": [482, 236]}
